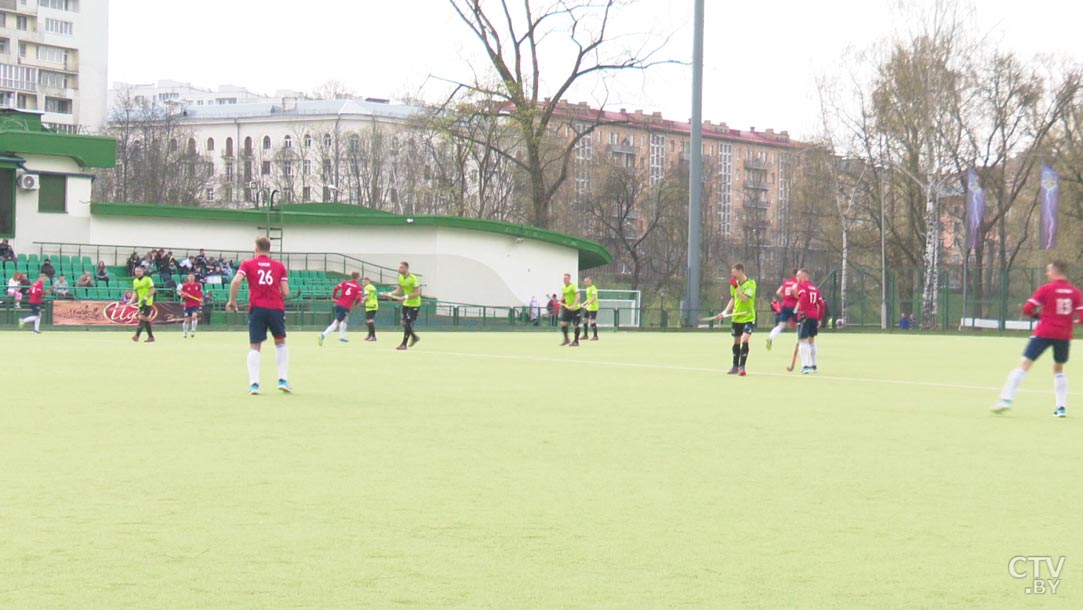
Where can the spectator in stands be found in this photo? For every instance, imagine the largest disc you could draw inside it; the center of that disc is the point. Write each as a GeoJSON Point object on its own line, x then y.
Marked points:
{"type": "Point", "coordinates": [7, 253]}
{"type": "Point", "coordinates": [214, 275]}
{"type": "Point", "coordinates": [14, 291]}
{"type": "Point", "coordinates": [86, 280]}
{"type": "Point", "coordinates": [554, 310]}
{"type": "Point", "coordinates": [904, 321]}
{"type": "Point", "coordinates": [227, 269]}
{"type": "Point", "coordinates": [133, 262]}
{"type": "Point", "coordinates": [102, 274]}
{"type": "Point", "coordinates": [48, 270]}
{"type": "Point", "coordinates": [201, 259]}
{"type": "Point", "coordinates": [60, 288]}
{"type": "Point", "coordinates": [165, 266]}
{"type": "Point", "coordinates": [185, 265]}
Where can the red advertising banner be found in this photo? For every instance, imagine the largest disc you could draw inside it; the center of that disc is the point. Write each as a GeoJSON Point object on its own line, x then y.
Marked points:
{"type": "Point", "coordinates": [112, 313]}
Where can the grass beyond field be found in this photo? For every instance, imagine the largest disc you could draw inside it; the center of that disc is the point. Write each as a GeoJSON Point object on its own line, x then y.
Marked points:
{"type": "Point", "coordinates": [501, 471]}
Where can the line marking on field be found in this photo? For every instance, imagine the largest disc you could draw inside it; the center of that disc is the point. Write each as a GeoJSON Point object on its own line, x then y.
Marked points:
{"type": "Point", "coordinates": [696, 369]}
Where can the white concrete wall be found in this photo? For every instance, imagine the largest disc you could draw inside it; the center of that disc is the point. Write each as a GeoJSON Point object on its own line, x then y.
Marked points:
{"type": "Point", "coordinates": [31, 226]}
{"type": "Point", "coordinates": [456, 265]}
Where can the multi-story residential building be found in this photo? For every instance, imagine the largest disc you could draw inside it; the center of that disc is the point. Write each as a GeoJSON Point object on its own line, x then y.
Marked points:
{"type": "Point", "coordinates": [748, 174]}
{"type": "Point", "coordinates": [53, 56]}
{"type": "Point", "coordinates": [186, 94]}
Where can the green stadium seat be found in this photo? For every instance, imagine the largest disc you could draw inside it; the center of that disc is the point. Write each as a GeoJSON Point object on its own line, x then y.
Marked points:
{"type": "Point", "coordinates": [33, 260]}
{"type": "Point", "coordinates": [21, 258]}
{"type": "Point", "coordinates": [87, 261]}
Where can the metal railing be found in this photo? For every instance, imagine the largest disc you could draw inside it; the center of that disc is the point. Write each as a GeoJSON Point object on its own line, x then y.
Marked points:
{"type": "Point", "coordinates": [116, 255]}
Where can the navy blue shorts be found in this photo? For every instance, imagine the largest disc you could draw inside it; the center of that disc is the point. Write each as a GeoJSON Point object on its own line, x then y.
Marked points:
{"type": "Point", "coordinates": [261, 320]}
{"type": "Point", "coordinates": [808, 328]}
{"type": "Point", "coordinates": [785, 315]}
{"type": "Point", "coordinates": [341, 312]}
{"type": "Point", "coordinates": [1037, 346]}
{"type": "Point", "coordinates": [35, 309]}
{"type": "Point", "coordinates": [742, 328]}
{"type": "Point", "coordinates": [191, 311]}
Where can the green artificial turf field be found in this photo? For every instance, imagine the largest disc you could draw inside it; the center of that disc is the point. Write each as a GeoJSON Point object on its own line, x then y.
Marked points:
{"type": "Point", "coordinates": [501, 471]}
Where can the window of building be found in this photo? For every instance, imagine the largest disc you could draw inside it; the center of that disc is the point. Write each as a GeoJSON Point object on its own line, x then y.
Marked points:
{"type": "Point", "coordinates": [725, 189]}
{"type": "Point", "coordinates": [287, 142]}
{"type": "Point", "coordinates": [229, 147]}
{"type": "Point", "coordinates": [210, 144]}
{"type": "Point", "coordinates": [53, 193]}
{"type": "Point", "coordinates": [57, 55]}
{"type": "Point", "coordinates": [266, 142]}
{"type": "Point", "coordinates": [22, 23]}
{"type": "Point", "coordinates": [21, 78]}
{"type": "Point", "coordinates": [265, 168]}
{"type": "Point", "coordinates": [5, 43]}
{"type": "Point", "coordinates": [306, 194]}
{"type": "Point", "coordinates": [210, 194]}
{"type": "Point", "coordinates": [229, 171]}
{"type": "Point", "coordinates": [7, 99]}
{"type": "Point", "coordinates": [327, 168]}
{"type": "Point", "coordinates": [57, 105]}
{"type": "Point", "coordinates": [227, 193]}
{"type": "Point", "coordinates": [3, 20]}
{"type": "Point", "coordinates": [287, 195]}
{"type": "Point", "coordinates": [306, 168]}
{"type": "Point", "coordinates": [60, 5]}
{"type": "Point", "coordinates": [287, 168]}
{"type": "Point", "coordinates": [327, 140]}
{"type": "Point", "coordinates": [53, 80]}
{"type": "Point", "coordinates": [247, 170]}
{"type": "Point", "coordinates": [657, 158]}
{"type": "Point", "coordinates": [59, 27]}
{"type": "Point", "coordinates": [191, 146]}
{"type": "Point", "coordinates": [27, 102]}
{"type": "Point", "coordinates": [308, 141]}
{"type": "Point", "coordinates": [248, 147]}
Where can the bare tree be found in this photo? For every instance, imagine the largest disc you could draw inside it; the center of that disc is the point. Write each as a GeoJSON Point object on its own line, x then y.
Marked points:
{"type": "Point", "coordinates": [158, 158]}
{"type": "Point", "coordinates": [332, 90]}
{"type": "Point", "coordinates": [520, 42]}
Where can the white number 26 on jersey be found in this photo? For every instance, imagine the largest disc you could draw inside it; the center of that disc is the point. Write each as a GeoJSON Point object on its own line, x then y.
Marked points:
{"type": "Point", "coordinates": [266, 278]}
{"type": "Point", "coordinates": [1064, 307]}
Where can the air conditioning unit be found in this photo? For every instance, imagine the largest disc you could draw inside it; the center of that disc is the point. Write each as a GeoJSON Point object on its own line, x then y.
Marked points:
{"type": "Point", "coordinates": [29, 182]}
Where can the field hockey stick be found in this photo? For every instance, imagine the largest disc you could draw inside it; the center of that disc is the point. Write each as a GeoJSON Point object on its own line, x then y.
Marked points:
{"type": "Point", "coordinates": [719, 317]}
{"type": "Point", "coordinates": [793, 361]}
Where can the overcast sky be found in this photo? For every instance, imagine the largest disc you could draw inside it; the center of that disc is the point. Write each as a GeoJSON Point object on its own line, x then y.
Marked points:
{"type": "Point", "coordinates": [762, 58]}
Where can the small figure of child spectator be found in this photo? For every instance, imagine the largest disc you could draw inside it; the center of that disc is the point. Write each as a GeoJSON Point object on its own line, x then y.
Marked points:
{"type": "Point", "coordinates": [60, 288]}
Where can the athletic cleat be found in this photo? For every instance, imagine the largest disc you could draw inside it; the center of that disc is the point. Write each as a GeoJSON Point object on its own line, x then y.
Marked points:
{"type": "Point", "coordinates": [184, 336]}
{"type": "Point", "coordinates": [594, 338]}
{"type": "Point", "coordinates": [814, 369]}
{"type": "Point", "coordinates": [401, 347]}
{"type": "Point", "coordinates": [414, 340]}
{"type": "Point", "coordinates": [343, 340]}
{"type": "Point", "coordinates": [38, 332]}
{"type": "Point", "coordinates": [149, 340]}
{"type": "Point", "coordinates": [370, 338]}
{"type": "Point", "coordinates": [21, 324]}
{"type": "Point", "coordinates": [574, 343]}
{"type": "Point", "coordinates": [320, 341]}
{"type": "Point", "coordinates": [805, 370]}
{"type": "Point", "coordinates": [566, 342]}
{"type": "Point", "coordinates": [284, 386]}
{"type": "Point", "coordinates": [741, 372]}
{"type": "Point", "coordinates": [253, 389]}
{"type": "Point", "coordinates": [733, 371]}
{"type": "Point", "coordinates": [1001, 406]}
{"type": "Point", "coordinates": [769, 343]}
{"type": "Point", "coordinates": [1060, 412]}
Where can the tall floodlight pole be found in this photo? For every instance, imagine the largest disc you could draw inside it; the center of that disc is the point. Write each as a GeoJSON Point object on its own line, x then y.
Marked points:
{"type": "Point", "coordinates": [695, 174]}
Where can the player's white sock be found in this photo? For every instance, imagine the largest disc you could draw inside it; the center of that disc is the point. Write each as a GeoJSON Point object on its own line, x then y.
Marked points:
{"type": "Point", "coordinates": [330, 329]}
{"type": "Point", "coordinates": [282, 357]}
{"type": "Point", "coordinates": [775, 332]}
{"type": "Point", "coordinates": [253, 366]}
{"type": "Point", "coordinates": [37, 328]}
{"type": "Point", "coordinates": [184, 327]}
{"type": "Point", "coordinates": [1011, 386]}
{"type": "Point", "coordinates": [342, 330]}
{"type": "Point", "coordinates": [192, 325]}
{"type": "Point", "coordinates": [26, 319]}
{"type": "Point", "coordinates": [812, 353]}
{"type": "Point", "coordinates": [803, 349]}
{"type": "Point", "coordinates": [1060, 386]}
